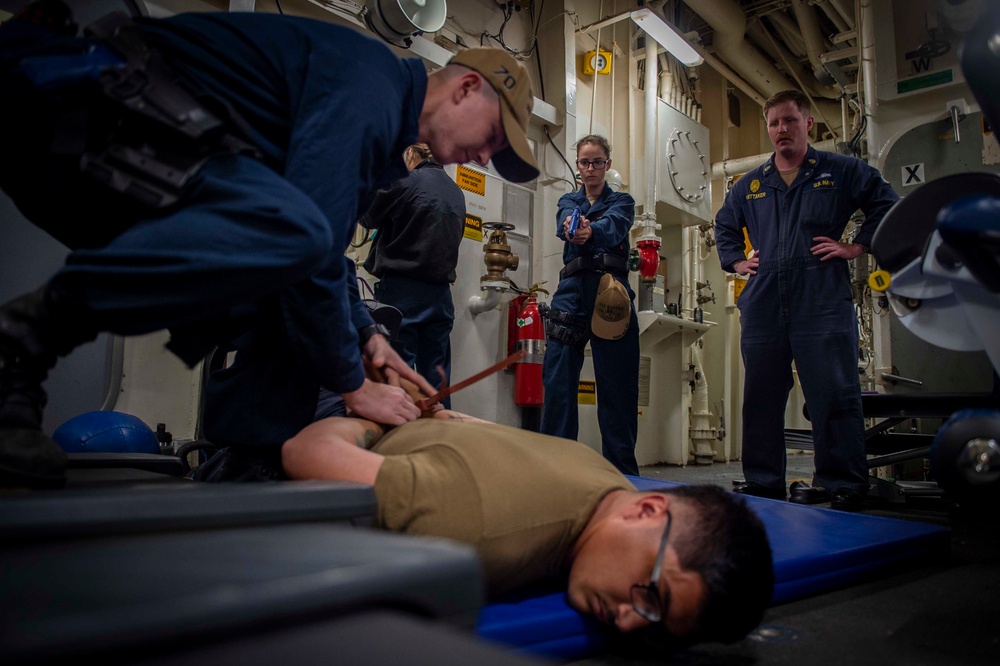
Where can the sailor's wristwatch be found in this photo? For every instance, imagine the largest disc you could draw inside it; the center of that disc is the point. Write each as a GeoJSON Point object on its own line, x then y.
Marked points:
{"type": "Point", "coordinates": [365, 333]}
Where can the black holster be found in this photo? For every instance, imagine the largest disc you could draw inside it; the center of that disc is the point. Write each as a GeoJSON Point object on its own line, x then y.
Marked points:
{"type": "Point", "coordinates": [567, 328]}
{"type": "Point", "coordinates": [119, 113]}
{"type": "Point", "coordinates": [166, 135]}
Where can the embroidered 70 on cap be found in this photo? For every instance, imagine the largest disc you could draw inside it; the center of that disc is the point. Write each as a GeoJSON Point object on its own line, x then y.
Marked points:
{"type": "Point", "coordinates": [612, 309]}
{"type": "Point", "coordinates": [510, 79]}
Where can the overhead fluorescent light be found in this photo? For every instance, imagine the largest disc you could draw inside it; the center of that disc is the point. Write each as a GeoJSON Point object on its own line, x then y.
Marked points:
{"type": "Point", "coordinates": [665, 35]}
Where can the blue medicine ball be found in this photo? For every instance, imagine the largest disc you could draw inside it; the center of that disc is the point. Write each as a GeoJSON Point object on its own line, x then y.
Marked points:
{"type": "Point", "coordinates": [106, 432]}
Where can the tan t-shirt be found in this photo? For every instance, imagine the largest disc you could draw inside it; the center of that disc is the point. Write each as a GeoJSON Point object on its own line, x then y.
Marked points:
{"type": "Point", "coordinates": [519, 497]}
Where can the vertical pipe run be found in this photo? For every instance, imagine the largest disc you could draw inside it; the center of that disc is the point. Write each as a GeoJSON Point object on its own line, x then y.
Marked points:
{"type": "Point", "coordinates": [593, 95]}
{"type": "Point", "coordinates": [866, 17]}
{"type": "Point", "coordinates": [650, 142]}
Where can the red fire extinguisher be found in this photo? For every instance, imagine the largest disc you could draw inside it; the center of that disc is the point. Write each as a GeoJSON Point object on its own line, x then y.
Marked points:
{"type": "Point", "coordinates": [529, 336]}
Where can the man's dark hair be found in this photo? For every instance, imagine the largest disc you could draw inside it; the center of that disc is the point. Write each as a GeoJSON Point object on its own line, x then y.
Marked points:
{"type": "Point", "coordinates": [783, 96]}
{"type": "Point", "coordinates": [727, 544]}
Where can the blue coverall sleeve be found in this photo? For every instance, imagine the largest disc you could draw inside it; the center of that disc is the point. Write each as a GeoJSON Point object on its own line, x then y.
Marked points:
{"type": "Point", "coordinates": [613, 224]}
{"type": "Point", "coordinates": [729, 223]}
{"type": "Point", "coordinates": [874, 196]}
{"type": "Point", "coordinates": [340, 150]}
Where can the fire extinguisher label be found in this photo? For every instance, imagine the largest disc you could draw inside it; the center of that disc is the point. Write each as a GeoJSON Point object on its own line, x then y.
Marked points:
{"type": "Point", "coordinates": [525, 322]}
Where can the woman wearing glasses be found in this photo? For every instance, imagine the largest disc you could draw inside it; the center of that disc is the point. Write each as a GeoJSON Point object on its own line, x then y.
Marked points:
{"type": "Point", "coordinates": [598, 245]}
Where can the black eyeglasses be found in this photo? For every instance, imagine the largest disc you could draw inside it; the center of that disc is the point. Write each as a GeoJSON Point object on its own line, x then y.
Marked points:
{"type": "Point", "coordinates": [646, 598]}
{"type": "Point", "coordinates": [597, 164]}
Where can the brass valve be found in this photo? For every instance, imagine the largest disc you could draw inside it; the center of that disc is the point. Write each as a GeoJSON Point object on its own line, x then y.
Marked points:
{"type": "Point", "coordinates": [498, 257]}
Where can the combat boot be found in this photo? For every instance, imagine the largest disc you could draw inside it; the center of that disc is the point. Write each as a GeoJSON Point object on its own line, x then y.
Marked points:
{"type": "Point", "coordinates": [33, 334]}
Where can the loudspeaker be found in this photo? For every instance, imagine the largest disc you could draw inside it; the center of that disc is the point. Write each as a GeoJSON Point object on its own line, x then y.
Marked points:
{"type": "Point", "coordinates": [396, 21]}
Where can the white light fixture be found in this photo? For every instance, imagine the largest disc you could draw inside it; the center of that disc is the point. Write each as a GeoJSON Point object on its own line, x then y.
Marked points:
{"type": "Point", "coordinates": [614, 180]}
{"type": "Point", "coordinates": [665, 35]}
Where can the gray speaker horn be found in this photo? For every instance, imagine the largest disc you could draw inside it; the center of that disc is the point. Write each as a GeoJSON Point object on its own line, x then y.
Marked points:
{"type": "Point", "coordinates": [396, 21]}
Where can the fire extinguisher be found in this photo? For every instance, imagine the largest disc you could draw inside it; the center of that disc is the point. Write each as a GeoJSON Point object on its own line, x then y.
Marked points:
{"type": "Point", "coordinates": [529, 337]}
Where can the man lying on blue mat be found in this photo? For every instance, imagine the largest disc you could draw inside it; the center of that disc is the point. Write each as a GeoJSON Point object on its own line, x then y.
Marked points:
{"type": "Point", "coordinates": [693, 559]}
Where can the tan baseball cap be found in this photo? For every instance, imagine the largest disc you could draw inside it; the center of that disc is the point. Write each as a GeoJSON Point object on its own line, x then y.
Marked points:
{"type": "Point", "coordinates": [612, 309]}
{"type": "Point", "coordinates": [510, 79]}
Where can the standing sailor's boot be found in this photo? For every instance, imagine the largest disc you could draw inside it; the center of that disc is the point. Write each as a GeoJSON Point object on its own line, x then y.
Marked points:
{"type": "Point", "coordinates": [35, 330]}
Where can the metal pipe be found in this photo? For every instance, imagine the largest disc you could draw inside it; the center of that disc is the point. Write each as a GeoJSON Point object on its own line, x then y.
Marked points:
{"type": "Point", "coordinates": [484, 302]}
{"type": "Point", "coordinates": [730, 75]}
{"type": "Point", "coordinates": [729, 22]}
{"type": "Point", "coordinates": [790, 32]}
{"type": "Point", "coordinates": [727, 168]}
{"type": "Point", "coordinates": [843, 117]}
{"type": "Point", "coordinates": [901, 456]}
{"type": "Point", "coordinates": [811, 33]}
{"type": "Point", "coordinates": [834, 15]}
{"type": "Point", "coordinates": [867, 89]}
{"type": "Point", "coordinates": [847, 12]}
{"type": "Point", "coordinates": [593, 95]}
{"type": "Point", "coordinates": [650, 133]}
{"type": "Point", "coordinates": [891, 378]}
{"type": "Point", "coordinates": [115, 373]}
{"type": "Point", "coordinates": [804, 88]}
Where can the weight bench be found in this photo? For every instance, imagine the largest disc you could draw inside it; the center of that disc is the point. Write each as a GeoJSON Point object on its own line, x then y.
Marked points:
{"type": "Point", "coordinates": [888, 448]}
{"type": "Point", "coordinates": [893, 409]}
{"type": "Point", "coordinates": [118, 509]}
{"type": "Point", "coordinates": [138, 595]}
{"type": "Point", "coordinates": [815, 551]}
{"type": "Point", "coordinates": [192, 573]}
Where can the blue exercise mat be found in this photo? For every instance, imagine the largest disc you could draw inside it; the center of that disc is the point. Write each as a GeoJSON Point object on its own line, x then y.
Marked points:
{"type": "Point", "coordinates": [815, 550]}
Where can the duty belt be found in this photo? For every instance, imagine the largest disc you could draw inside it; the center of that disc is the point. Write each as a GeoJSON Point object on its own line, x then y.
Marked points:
{"type": "Point", "coordinates": [602, 263]}
{"type": "Point", "coordinates": [566, 318]}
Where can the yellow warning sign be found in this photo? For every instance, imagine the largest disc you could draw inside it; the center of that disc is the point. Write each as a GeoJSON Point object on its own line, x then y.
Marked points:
{"type": "Point", "coordinates": [471, 180]}
{"type": "Point", "coordinates": [473, 228]}
{"type": "Point", "coordinates": [586, 393]}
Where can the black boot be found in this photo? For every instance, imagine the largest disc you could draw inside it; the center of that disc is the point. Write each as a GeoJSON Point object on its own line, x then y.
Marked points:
{"type": "Point", "coordinates": [33, 333]}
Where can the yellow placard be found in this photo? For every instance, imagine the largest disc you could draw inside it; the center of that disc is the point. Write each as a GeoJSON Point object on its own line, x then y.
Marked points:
{"type": "Point", "coordinates": [586, 393]}
{"type": "Point", "coordinates": [471, 180]}
{"type": "Point", "coordinates": [473, 228]}
{"type": "Point", "coordinates": [747, 245]}
{"type": "Point", "coordinates": [738, 284]}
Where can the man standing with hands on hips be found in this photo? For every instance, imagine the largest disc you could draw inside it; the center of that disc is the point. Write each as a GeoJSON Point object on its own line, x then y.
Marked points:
{"type": "Point", "coordinates": [230, 155]}
{"type": "Point", "coordinates": [798, 305]}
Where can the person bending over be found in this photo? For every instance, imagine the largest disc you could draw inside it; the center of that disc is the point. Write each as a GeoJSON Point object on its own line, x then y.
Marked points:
{"type": "Point", "coordinates": [692, 560]}
{"type": "Point", "coordinates": [230, 155]}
